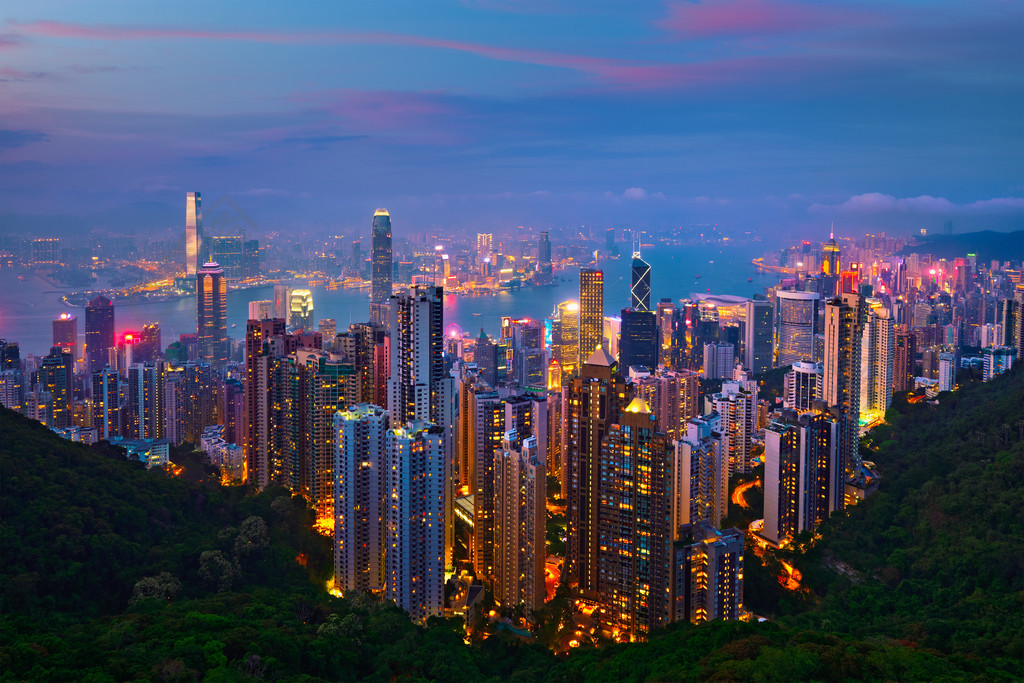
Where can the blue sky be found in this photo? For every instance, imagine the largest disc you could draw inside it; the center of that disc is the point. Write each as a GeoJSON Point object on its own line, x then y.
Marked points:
{"type": "Point", "coordinates": [779, 117]}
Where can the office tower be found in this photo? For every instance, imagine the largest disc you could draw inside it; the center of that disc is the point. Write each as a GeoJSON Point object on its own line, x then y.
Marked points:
{"type": "Point", "coordinates": [491, 360]}
{"type": "Point", "coordinates": [670, 394]}
{"type": "Point", "coordinates": [707, 581]}
{"type": "Point", "coordinates": [56, 387]}
{"type": "Point", "coordinates": [250, 259]}
{"type": "Point", "coordinates": [520, 516]}
{"type": "Point", "coordinates": [529, 355]}
{"type": "Point", "coordinates": [99, 333]}
{"type": "Point", "coordinates": [801, 386]}
{"type": "Point", "coordinates": [804, 480]}
{"type": "Point", "coordinates": [947, 371]}
{"type": "Point", "coordinates": [359, 497]}
{"type": "Point", "coordinates": [229, 252]}
{"type": "Point", "coordinates": [193, 233]}
{"type": "Point", "coordinates": [419, 388]}
{"type": "Point", "coordinates": [261, 310]}
{"type": "Point", "coordinates": [328, 327]}
{"type": "Point", "coordinates": [148, 346]}
{"type": "Point", "coordinates": [905, 361]}
{"type": "Point", "coordinates": [65, 333]}
{"type": "Point", "coordinates": [591, 402]}
{"type": "Point", "coordinates": [484, 246]}
{"type": "Point", "coordinates": [212, 315]}
{"type": "Point", "coordinates": [700, 489]}
{"type": "Point", "coordinates": [634, 534]}
{"type": "Point", "coordinates": [300, 309]}
{"type": "Point", "coordinates": [544, 270]}
{"type": "Point", "coordinates": [106, 404]}
{"type": "Point", "coordinates": [415, 494]}
{"type": "Point", "coordinates": [719, 359]}
{"type": "Point", "coordinates": [638, 342]}
{"type": "Point", "coordinates": [640, 287]}
{"type": "Point", "coordinates": [282, 303]}
{"type": "Point", "coordinates": [382, 275]}
{"type": "Point", "coordinates": [566, 336]}
{"type": "Point", "coordinates": [844, 319]}
{"type": "Point", "coordinates": [145, 416]}
{"type": "Point", "coordinates": [878, 355]}
{"type": "Point", "coordinates": [757, 336]}
{"type": "Point", "coordinates": [997, 360]}
{"type": "Point", "coordinates": [609, 240]}
{"type": "Point", "coordinates": [357, 255]}
{"type": "Point", "coordinates": [591, 312]}
{"type": "Point", "coordinates": [12, 389]}
{"type": "Point", "coordinates": [736, 404]}
{"type": "Point", "coordinates": [830, 261]}
{"type": "Point", "coordinates": [796, 314]}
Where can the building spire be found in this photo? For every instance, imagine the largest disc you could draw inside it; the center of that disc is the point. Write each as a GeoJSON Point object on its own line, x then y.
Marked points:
{"type": "Point", "coordinates": [832, 231]}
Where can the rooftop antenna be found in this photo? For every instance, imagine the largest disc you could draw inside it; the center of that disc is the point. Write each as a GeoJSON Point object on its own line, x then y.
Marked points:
{"type": "Point", "coordinates": [832, 231]}
{"type": "Point", "coordinates": [636, 244]}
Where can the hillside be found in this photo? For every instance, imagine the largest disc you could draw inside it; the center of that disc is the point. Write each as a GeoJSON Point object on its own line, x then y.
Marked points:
{"type": "Point", "coordinates": [987, 245]}
{"type": "Point", "coordinates": [111, 572]}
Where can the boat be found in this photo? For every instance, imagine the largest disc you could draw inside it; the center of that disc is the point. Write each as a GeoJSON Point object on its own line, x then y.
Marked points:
{"type": "Point", "coordinates": [697, 276]}
{"type": "Point", "coordinates": [750, 279]}
{"type": "Point", "coordinates": [234, 325]}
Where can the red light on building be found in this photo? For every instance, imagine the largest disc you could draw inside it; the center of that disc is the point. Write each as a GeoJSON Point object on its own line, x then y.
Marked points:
{"type": "Point", "coordinates": [849, 281]}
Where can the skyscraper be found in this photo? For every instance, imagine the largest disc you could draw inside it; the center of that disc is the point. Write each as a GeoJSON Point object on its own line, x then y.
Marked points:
{"type": "Point", "coordinates": [105, 406]}
{"type": "Point", "coordinates": [591, 312]}
{"type": "Point", "coordinates": [707, 574]}
{"type": "Point", "coordinates": [804, 480]}
{"type": "Point", "coordinates": [633, 520]}
{"type": "Point", "coordinates": [796, 315]}
{"type": "Point", "coordinates": [802, 385]}
{"type": "Point", "coordinates": [282, 303]}
{"type": "Point", "coordinates": [638, 340]}
{"type": "Point", "coordinates": [701, 474]}
{"type": "Point", "coordinates": [145, 416]}
{"type": "Point", "coordinates": [737, 406]}
{"type": "Point", "coordinates": [300, 309]}
{"type": "Point", "coordinates": [193, 232]}
{"type": "Point", "coordinates": [359, 501]}
{"type": "Point", "coordinates": [757, 333]}
{"type": "Point", "coordinates": [65, 333]}
{"type": "Point", "coordinates": [592, 402]}
{"type": "Point", "coordinates": [566, 336]}
{"type": "Point", "coordinates": [419, 387]}
{"type": "Point", "coordinates": [414, 519]}
{"type": "Point", "coordinates": [212, 315]}
{"type": "Point", "coordinates": [904, 365]}
{"type": "Point", "coordinates": [56, 387]}
{"type": "Point", "coordinates": [99, 333]}
{"type": "Point", "coordinates": [844, 319]}
{"type": "Point", "coordinates": [520, 485]}
{"type": "Point", "coordinates": [382, 273]}
{"type": "Point", "coordinates": [878, 355]}
{"type": "Point", "coordinates": [640, 287]}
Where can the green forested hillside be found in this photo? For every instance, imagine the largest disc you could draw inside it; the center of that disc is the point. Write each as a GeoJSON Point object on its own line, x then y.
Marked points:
{"type": "Point", "coordinates": [110, 572]}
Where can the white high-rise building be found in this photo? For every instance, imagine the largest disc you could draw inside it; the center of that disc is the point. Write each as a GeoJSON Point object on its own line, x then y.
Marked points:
{"type": "Point", "coordinates": [261, 310]}
{"type": "Point", "coordinates": [737, 406]}
{"type": "Point", "coordinates": [947, 371]}
{"type": "Point", "coordinates": [878, 353]}
{"type": "Point", "coordinates": [520, 485]}
{"type": "Point", "coordinates": [701, 474]}
{"type": "Point", "coordinates": [801, 385]}
{"type": "Point", "coordinates": [414, 519]}
{"type": "Point", "coordinates": [360, 447]}
{"type": "Point", "coordinates": [193, 233]}
{"type": "Point", "coordinates": [719, 359]}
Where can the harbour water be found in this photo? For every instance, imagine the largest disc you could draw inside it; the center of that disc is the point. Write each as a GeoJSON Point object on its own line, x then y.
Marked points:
{"type": "Point", "coordinates": [28, 306]}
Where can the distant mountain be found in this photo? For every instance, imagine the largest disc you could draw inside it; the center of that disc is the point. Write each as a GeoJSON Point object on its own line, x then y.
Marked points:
{"type": "Point", "coordinates": [137, 216]}
{"type": "Point", "coordinates": [987, 245]}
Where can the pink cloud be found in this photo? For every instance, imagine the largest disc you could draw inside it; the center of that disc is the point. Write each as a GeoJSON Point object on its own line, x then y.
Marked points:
{"type": "Point", "coordinates": [624, 73]}
{"type": "Point", "coordinates": [732, 18]}
{"type": "Point", "coordinates": [877, 202]}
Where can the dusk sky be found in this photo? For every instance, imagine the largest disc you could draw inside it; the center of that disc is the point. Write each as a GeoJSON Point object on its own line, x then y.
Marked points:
{"type": "Point", "coordinates": [773, 116]}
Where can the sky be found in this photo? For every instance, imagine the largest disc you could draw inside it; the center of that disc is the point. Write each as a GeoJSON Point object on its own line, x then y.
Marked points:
{"type": "Point", "coordinates": [777, 117]}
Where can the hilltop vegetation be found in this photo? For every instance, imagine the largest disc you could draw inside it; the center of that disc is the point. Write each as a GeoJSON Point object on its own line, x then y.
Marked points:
{"type": "Point", "coordinates": [112, 572]}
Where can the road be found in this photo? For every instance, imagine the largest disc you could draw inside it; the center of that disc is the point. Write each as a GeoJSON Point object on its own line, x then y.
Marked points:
{"type": "Point", "coordinates": [738, 497]}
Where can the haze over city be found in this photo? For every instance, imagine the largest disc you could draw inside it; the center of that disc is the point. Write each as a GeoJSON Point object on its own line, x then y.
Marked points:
{"type": "Point", "coordinates": [778, 117]}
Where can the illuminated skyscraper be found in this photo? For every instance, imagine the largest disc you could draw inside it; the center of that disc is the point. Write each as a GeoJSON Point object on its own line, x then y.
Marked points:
{"type": "Point", "coordinates": [381, 263]}
{"type": "Point", "coordinates": [878, 354]}
{"type": "Point", "coordinates": [359, 500]}
{"type": "Point", "coordinates": [193, 232]}
{"type": "Point", "coordinates": [591, 312]}
{"type": "Point", "coordinates": [145, 415]}
{"type": "Point", "coordinates": [638, 339]}
{"type": "Point", "coordinates": [707, 574]}
{"type": "Point", "coordinates": [757, 333]}
{"type": "Point", "coordinates": [56, 387]}
{"type": "Point", "coordinates": [212, 315]}
{"type": "Point", "coordinates": [633, 522]}
{"type": "Point", "coordinates": [300, 309]}
{"type": "Point", "coordinates": [905, 362]}
{"type": "Point", "coordinates": [520, 485]}
{"type": "Point", "coordinates": [65, 333]}
{"type": "Point", "coordinates": [844, 320]}
{"type": "Point", "coordinates": [592, 402]}
{"type": "Point", "coordinates": [105, 404]}
{"type": "Point", "coordinates": [640, 289]}
{"type": "Point", "coordinates": [830, 262]}
{"type": "Point", "coordinates": [802, 386]}
{"type": "Point", "coordinates": [415, 519]}
{"type": "Point", "coordinates": [796, 314]}
{"type": "Point", "coordinates": [484, 246]}
{"type": "Point", "coordinates": [148, 348]}
{"type": "Point", "coordinates": [99, 333]}
{"type": "Point", "coordinates": [701, 474]}
{"type": "Point", "coordinates": [566, 336]}
{"type": "Point", "coordinates": [737, 406]}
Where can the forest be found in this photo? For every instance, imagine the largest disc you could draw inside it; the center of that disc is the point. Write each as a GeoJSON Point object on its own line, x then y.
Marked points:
{"type": "Point", "coordinates": [112, 572]}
